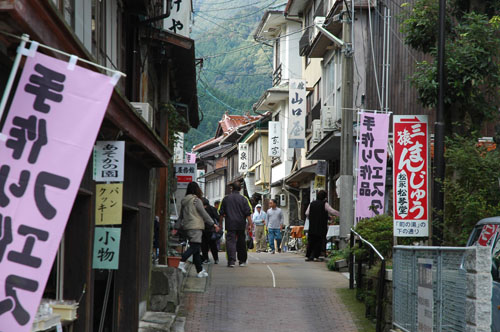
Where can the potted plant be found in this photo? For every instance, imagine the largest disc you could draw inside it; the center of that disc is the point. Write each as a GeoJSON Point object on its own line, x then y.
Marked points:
{"type": "Point", "coordinates": [173, 258]}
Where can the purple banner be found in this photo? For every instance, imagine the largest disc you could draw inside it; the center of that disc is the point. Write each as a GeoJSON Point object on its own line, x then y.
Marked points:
{"type": "Point", "coordinates": [372, 163]}
{"type": "Point", "coordinates": [51, 128]}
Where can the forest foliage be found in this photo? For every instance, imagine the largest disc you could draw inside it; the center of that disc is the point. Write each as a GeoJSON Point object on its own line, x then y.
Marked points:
{"type": "Point", "coordinates": [236, 70]}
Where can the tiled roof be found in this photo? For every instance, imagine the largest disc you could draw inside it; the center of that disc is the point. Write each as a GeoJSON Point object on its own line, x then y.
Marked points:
{"type": "Point", "coordinates": [230, 122]}
{"type": "Point", "coordinates": [210, 141]}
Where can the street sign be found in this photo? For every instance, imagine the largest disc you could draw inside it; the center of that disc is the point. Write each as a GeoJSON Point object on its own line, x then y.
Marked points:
{"type": "Point", "coordinates": [185, 173]}
{"type": "Point", "coordinates": [411, 176]}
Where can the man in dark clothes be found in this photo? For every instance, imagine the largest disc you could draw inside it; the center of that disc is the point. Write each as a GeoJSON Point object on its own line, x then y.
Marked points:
{"type": "Point", "coordinates": [207, 240]}
{"type": "Point", "coordinates": [318, 212]}
{"type": "Point", "coordinates": [236, 210]}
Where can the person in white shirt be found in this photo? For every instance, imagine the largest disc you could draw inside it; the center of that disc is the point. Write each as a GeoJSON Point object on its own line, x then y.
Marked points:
{"type": "Point", "coordinates": [259, 220]}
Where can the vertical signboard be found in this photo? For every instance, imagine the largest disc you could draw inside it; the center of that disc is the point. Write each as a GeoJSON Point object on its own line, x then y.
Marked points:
{"type": "Point", "coordinates": [106, 248]}
{"type": "Point", "coordinates": [297, 114]}
{"type": "Point", "coordinates": [274, 149]}
{"type": "Point", "coordinates": [243, 157]}
{"type": "Point", "coordinates": [179, 148]}
{"type": "Point", "coordinates": [372, 164]}
{"type": "Point", "coordinates": [185, 173]}
{"type": "Point", "coordinates": [190, 158]}
{"type": "Point", "coordinates": [425, 295]}
{"type": "Point", "coordinates": [180, 17]}
{"type": "Point", "coordinates": [109, 204]}
{"type": "Point", "coordinates": [411, 175]}
{"type": "Point", "coordinates": [109, 160]}
{"type": "Point", "coordinates": [50, 130]}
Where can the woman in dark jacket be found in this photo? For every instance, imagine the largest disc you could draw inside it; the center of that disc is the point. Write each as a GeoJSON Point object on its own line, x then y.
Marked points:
{"type": "Point", "coordinates": [208, 240]}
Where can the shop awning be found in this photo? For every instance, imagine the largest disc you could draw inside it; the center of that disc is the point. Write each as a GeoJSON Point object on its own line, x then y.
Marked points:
{"type": "Point", "coordinates": [327, 149]}
{"type": "Point", "coordinates": [302, 174]}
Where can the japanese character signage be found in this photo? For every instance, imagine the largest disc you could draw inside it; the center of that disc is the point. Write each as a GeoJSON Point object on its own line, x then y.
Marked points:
{"type": "Point", "coordinates": [274, 139]}
{"type": "Point", "coordinates": [297, 114]}
{"type": "Point", "coordinates": [372, 163]}
{"type": "Point", "coordinates": [50, 131]}
{"type": "Point", "coordinates": [319, 182]}
{"type": "Point", "coordinates": [487, 235]}
{"type": "Point", "coordinates": [109, 203]}
{"type": "Point", "coordinates": [243, 160]}
{"type": "Point", "coordinates": [191, 158]}
{"type": "Point", "coordinates": [321, 167]}
{"type": "Point", "coordinates": [106, 248]}
{"type": "Point", "coordinates": [179, 20]}
{"type": "Point", "coordinates": [109, 161]}
{"type": "Point", "coordinates": [179, 148]}
{"type": "Point", "coordinates": [411, 176]}
{"type": "Point", "coordinates": [185, 173]}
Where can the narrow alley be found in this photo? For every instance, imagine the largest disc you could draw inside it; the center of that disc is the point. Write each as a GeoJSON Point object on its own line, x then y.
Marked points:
{"type": "Point", "coordinates": [273, 293]}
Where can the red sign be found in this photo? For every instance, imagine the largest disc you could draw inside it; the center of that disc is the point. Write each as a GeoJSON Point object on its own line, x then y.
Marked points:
{"type": "Point", "coordinates": [487, 235]}
{"type": "Point", "coordinates": [183, 178]}
{"type": "Point", "coordinates": [411, 175]}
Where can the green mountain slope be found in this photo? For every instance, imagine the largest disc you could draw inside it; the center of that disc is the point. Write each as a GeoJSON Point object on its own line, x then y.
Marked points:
{"type": "Point", "coordinates": [236, 69]}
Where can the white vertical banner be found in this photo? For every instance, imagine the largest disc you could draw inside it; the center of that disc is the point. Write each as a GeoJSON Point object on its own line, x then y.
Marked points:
{"type": "Point", "coordinates": [179, 20]}
{"type": "Point", "coordinates": [274, 139]}
{"type": "Point", "coordinates": [243, 157]}
{"type": "Point", "coordinates": [179, 148]}
{"type": "Point", "coordinates": [297, 114]}
{"type": "Point", "coordinates": [109, 161]}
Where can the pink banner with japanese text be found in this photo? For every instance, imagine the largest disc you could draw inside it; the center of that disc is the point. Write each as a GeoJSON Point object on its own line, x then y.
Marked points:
{"type": "Point", "coordinates": [50, 131]}
{"type": "Point", "coordinates": [372, 164]}
{"type": "Point", "coordinates": [411, 175]}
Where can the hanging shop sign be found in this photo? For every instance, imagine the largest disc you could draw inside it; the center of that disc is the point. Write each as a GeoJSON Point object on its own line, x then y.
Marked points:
{"type": "Point", "coordinates": [319, 182]}
{"type": "Point", "coordinates": [185, 173]}
{"type": "Point", "coordinates": [109, 204]}
{"type": "Point", "coordinates": [274, 146]}
{"type": "Point", "coordinates": [321, 168]}
{"type": "Point", "coordinates": [297, 114]}
{"type": "Point", "coordinates": [411, 175]}
{"type": "Point", "coordinates": [372, 164]}
{"type": "Point", "coordinates": [51, 127]}
{"type": "Point", "coordinates": [106, 248]}
{"type": "Point", "coordinates": [179, 148]}
{"type": "Point", "coordinates": [109, 161]}
{"type": "Point", "coordinates": [243, 157]}
{"type": "Point", "coordinates": [180, 18]}
{"type": "Point", "coordinates": [190, 158]}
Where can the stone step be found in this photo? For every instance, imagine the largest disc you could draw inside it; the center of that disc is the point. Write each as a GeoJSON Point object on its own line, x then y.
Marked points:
{"type": "Point", "coordinates": [156, 322]}
{"type": "Point", "coordinates": [178, 325]}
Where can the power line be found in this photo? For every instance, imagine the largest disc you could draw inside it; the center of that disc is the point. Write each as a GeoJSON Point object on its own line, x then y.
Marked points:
{"type": "Point", "coordinates": [204, 86]}
{"type": "Point", "coordinates": [230, 8]}
{"type": "Point", "coordinates": [246, 15]}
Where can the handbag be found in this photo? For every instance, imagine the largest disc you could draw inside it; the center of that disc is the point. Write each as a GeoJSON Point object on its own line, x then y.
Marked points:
{"type": "Point", "coordinates": [249, 241]}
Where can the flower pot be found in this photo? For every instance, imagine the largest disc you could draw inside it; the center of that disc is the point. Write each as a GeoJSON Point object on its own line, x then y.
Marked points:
{"type": "Point", "coordinates": [173, 261]}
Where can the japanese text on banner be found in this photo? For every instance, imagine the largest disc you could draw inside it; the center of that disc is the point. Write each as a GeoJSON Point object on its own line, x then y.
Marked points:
{"type": "Point", "coordinates": [372, 163]}
{"type": "Point", "coordinates": [243, 157]}
{"type": "Point", "coordinates": [411, 176]}
{"type": "Point", "coordinates": [274, 139]}
{"type": "Point", "coordinates": [297, 114]}
{"type": "Point", "coordinates": [51, 128]}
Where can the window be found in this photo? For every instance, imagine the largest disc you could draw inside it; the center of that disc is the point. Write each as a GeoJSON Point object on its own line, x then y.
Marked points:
{"type": "Point", "coordinates": [277, 54]}
{"type": "Point", "coordinates": [333, 82]}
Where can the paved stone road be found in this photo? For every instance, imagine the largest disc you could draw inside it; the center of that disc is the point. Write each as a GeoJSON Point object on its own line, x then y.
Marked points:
{"type": "Point", "coordinates": [273, 293]}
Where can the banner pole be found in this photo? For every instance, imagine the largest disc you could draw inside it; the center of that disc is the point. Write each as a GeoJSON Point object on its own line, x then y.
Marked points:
{"type": "Point", "coordinates": [24, 38]}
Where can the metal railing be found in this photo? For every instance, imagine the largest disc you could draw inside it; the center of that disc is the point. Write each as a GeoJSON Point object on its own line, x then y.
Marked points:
{"type": "Point", "coordinates": [359, 274]}
{"type": "Point", "coordinates": [277, 76]}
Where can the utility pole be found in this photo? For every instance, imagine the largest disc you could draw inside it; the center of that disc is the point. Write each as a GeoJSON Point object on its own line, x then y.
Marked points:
{"type": "Point", "coordinates": [439, 165]}
{"type": "Point", "coordinates": [346, 139]}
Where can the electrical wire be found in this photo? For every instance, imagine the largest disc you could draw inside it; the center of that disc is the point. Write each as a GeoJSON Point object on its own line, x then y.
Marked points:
{"type": "Point", "coordinates": [246, 15]}
{"type": "Point", "coordinates": [204, 85]}
{"type": "Point", "coordinates": [373, 56]}
{"type": "Point", "coordinates": [232, 8]}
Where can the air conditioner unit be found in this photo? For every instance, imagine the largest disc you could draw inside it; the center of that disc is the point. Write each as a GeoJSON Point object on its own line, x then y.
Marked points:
{"type": "Point", "coordinates": [329, 118]}
{"type": "Point", "coordinates": [282, 200]}
{"type": "Point", "coordinates": [316, 131]}
{"type": "Point", "coordinates": [145, 110]}
{"type": "Point", "coordinates": [319, 20]}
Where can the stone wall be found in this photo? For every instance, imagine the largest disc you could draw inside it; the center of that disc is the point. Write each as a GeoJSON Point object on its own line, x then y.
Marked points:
{"type": "Point", "coordinates": [165, 288]}
{"type": "Point", "coordinates": [479, 289]}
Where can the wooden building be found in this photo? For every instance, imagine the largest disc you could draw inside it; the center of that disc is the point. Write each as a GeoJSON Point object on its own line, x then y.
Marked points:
{"type": "Point", "coordinates": [160, 66]}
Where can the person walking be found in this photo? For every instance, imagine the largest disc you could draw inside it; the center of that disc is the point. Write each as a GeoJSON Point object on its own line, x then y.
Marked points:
{"type": "Point", "coordinates": [275, 221]}
{"type": "Point", "coordinates": [259, 220]}
{"type": "Point", "coordinates": [236, 210]}
{"type": "Point", "coordinates": [318, 212]}
{"type": "Point", "coordinates": [192, 220]}
{"type": "Point", "coordinates": [209, 240]}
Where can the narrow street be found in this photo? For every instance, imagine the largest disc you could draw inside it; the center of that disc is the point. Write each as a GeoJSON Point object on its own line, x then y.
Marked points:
{"type": "Point", "coordinates": [278, 292]}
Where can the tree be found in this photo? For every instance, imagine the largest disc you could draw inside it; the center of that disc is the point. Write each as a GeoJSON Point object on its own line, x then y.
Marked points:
{"type": "Point", "coordinates": [472, 68]}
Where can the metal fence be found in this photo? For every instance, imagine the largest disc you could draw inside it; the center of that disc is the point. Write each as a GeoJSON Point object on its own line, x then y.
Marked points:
{"type": "Point", "coordinates": [449, 286]}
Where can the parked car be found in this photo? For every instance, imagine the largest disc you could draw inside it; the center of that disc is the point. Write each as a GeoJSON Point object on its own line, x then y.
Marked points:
{"type": "Point", "coordinates": [487, 233]}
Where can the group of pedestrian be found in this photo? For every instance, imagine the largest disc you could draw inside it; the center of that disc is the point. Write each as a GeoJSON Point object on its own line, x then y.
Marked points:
{"type": "Point", "coordinates": [202, 224]}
